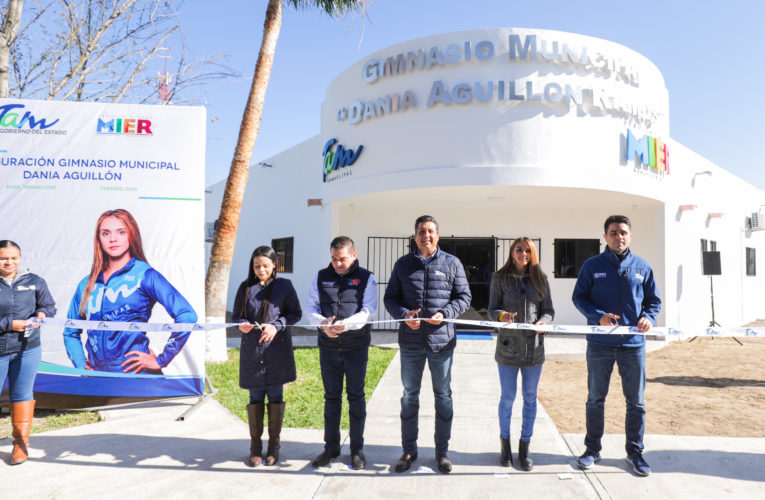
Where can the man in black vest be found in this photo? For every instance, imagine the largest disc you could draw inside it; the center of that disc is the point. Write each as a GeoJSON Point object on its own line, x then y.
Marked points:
{"type": "Point", "coordinates": [341, 299]}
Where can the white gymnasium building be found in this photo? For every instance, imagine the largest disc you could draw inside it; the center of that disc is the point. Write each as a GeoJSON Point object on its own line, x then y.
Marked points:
{"type": "Point", "coordinates": [501, 133]}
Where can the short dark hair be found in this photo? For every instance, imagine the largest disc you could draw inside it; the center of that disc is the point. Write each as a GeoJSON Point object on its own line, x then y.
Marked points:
{"type": "Point", "coordinates": [342, 242]}
{"type": "Point", "coordinates": [422, 219]}
{"type": "Point", "coordinates": [9, 243]}
{"type": "Point", "coordinates": [616, 219]}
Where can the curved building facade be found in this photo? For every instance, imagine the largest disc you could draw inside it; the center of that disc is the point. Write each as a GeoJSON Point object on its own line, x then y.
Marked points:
{"type": "Point", "coordinates": [504, 133]}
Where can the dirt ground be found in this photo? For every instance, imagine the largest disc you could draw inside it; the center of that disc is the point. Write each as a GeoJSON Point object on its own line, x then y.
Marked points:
{"type": "Point", "coordinates": [708, 387]}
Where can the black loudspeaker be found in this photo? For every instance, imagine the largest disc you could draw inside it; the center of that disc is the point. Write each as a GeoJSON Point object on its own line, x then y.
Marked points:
{"type": "Point", "coordinates": [711, 262]}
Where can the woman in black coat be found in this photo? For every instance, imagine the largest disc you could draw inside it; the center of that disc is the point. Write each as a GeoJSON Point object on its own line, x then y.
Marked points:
{"type": "Point", "coordinates": [266, 306]}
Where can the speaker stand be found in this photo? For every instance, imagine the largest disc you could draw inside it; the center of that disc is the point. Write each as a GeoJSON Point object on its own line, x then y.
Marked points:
{"type": "Point", "coordinates": [714, 323]}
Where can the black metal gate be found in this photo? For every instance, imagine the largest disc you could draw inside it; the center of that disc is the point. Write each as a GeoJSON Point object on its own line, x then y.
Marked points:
{"type": "Point", "coordinates": [384, 251]}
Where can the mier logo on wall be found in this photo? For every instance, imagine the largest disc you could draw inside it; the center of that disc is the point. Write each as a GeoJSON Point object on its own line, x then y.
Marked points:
{"type": "Point", "coordinates": [649, 151]}
{"type": "Point", "coordinates": [337, 156]}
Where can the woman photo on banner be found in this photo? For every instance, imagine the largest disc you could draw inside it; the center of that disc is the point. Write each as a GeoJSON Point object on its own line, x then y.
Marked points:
{"type": "Point", "coordinates": [519, 293]}
{"type": "Point", "coordinates": [122, 286]}
{"type": "Point", "coordinates": [24, 297]}
{"type": "Point", "coordinates": [266, 306]}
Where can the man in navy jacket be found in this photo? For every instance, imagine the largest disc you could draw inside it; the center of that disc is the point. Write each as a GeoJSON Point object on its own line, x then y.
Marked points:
{"type": "Point", "coordinates": [425, 287]}
{"type": "Point", "coordinates": [341, 299]}
{"type": "Point", "coordinates": [617, 288]}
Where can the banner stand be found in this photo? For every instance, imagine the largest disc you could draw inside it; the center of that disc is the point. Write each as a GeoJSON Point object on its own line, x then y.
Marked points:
{"type": "Point", "coordinates": [210, 391]}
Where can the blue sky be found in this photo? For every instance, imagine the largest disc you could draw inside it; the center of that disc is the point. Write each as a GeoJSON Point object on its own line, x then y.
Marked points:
{"type": "Point", "coordinates": [711, 53]}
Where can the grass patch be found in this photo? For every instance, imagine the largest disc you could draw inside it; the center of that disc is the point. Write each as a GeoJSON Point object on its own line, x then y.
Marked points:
{"type": "Point", "coordinates": [49, 420]}
{"type": "Point", "coordinates": [304, 396]}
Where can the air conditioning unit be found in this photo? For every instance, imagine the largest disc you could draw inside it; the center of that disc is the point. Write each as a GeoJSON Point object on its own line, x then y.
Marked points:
{"type": "Point", "coordinates": [757, 222]}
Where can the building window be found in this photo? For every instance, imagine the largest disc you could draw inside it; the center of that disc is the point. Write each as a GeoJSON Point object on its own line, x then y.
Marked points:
{"type": "Point", "coordinates": [751, 262]}
{"type": "Point", "coordinates": [571, 254]}
{"type": "Point", "coordinates": [284, 248]}
{"type": "Point", "coordinates": [708, 245]}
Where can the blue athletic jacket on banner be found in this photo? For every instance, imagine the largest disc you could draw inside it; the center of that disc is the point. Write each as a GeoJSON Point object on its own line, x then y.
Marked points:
{"type": "Point", "coordinates": [128, 295]}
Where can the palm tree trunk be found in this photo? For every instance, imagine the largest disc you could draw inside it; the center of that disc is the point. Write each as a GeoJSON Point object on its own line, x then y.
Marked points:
{"type": "Point", "coordinates": [216, 284]}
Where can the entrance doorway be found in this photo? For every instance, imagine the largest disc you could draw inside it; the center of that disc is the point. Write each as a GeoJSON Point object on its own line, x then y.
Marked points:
{"type": "Point", "coordinates": [479, 256]}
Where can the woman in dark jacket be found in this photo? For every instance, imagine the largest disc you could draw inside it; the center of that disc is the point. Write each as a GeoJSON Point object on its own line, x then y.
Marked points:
{"type": "Point", "coordinates": [519, 293]}
{"type": "Point", "coordinates": [23, 296]}
{"type": "Point", "coordinates": [266, 306]}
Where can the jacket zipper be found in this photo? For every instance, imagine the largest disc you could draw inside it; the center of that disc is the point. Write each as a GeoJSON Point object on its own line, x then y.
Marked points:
{"type": "Point", "coordinates": [621, 297]}
{"type": "Point", "coordinates": [424, 283]}
{"type": "Point", "coordinates": [12, 315]}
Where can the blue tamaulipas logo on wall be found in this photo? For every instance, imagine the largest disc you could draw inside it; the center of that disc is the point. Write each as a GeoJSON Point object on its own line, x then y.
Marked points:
{"type": "Point", "coordinates": [338, 158]}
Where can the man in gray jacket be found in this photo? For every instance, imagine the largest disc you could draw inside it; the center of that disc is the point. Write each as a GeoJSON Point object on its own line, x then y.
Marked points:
{"type": "Point", "coordinates": [425, 287]}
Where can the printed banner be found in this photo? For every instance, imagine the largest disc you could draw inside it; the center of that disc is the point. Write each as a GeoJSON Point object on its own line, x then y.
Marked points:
{"type": "Point", "coordinates": [106, 202]}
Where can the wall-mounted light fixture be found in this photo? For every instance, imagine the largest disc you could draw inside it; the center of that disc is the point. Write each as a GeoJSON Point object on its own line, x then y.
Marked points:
{"type": "Point", "coordinates": [714, 215]}
{"type": "Point", "coordinates": [689, 206]}
{"type": "Point", "coordinates": [314, 202]}
{"type": "Point", "coordinates": [264, 164]}
{"type": "Point", "coordinates": [703, 172]}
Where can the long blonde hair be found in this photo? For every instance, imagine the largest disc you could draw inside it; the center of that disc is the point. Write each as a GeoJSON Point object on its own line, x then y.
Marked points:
{"type": "Point", "coordinates": [536, 274]}
{"type": "Point", "coordinates": [101, 259]}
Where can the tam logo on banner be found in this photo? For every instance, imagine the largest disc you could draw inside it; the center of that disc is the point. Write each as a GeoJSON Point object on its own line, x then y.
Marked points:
{"type": "Point", "coordinates": [11, 117]}
{"type": "Point", "coordinates": [130, 126]}
{"type": "Point", "coordinates": [649, 150]}
{"type": "Point", "coordinates": [339, 158]}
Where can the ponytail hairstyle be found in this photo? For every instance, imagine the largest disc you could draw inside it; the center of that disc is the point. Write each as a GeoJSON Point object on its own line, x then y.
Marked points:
{"type": "Point", "coordinates": [533, 269]}
{"type": "Point", "coordinates": [261, 251]}
{"type": "Point", "coordinates": [100, 257]}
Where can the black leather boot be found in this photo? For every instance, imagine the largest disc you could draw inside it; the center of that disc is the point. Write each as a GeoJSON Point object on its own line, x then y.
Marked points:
{"type": "Point", "coordinates": [506, 453]}
{"type": "Point", "coordinates": [523, 456]}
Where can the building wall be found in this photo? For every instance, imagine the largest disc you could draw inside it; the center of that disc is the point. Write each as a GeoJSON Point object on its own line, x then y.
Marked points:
{"type": "Point", "coordinates": [511, 217]}
{"type": "Point", "coordinates": [508, 168]}
{"type": "Point", "coordinates": [737, 296]}
{"type": "Point", "coordinates": [500, 140]}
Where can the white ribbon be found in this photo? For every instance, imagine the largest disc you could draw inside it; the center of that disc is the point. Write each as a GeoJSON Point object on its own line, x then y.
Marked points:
{"type": "Point", "coordinates": [555, 329]}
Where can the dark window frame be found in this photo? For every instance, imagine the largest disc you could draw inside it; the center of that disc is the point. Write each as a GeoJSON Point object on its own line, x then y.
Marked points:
{"type": "Point", "coordinates": [577, 249]}
{"type": "Point", "coordinates": [751, 261]}
{"type": "Point", "coordinates": [285, 253]}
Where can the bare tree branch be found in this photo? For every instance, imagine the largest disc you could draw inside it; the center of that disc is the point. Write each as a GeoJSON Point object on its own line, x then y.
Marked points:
{"type": "Point", "coordinates": [139, 68]}
{"type": "Point", "coordinates": [105, 50]}
{"type": "Point", "coordinates": [118, 11]}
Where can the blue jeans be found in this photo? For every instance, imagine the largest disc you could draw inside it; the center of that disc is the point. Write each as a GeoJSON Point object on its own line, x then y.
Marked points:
{"type": "Point", "coordinates": [412, 366]}
{"type": "Point", "coordinates": [508, 379]}
{"type": "Point", "coordinates": [275, 394]}
{"type": "Point", "coordinates": [600, 364]}
{"type": "Point", "coordinates": [353, 366]}
{"type": "Point", "coordinates": [21, 369]}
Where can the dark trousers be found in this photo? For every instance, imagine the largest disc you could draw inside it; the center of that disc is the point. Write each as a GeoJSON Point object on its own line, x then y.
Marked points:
{"type": "Point", "coordinates": [600, 364]}
{"type": "Point", "coordinates": [353, 366]}
{"type": "Point", "coordinates": [412, 367]}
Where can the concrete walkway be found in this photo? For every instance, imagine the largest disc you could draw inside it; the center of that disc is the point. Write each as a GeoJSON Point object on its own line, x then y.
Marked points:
{"type": "Point", "coordinates": [143, 451]}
